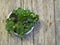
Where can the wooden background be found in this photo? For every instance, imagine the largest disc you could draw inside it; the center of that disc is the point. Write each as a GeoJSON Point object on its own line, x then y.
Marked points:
{"type": "Point", "coordinates": [47, 30]}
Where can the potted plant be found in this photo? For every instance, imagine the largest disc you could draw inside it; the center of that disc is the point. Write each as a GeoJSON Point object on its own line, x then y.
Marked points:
{"type": "Point", "coordinates": [21, 22]}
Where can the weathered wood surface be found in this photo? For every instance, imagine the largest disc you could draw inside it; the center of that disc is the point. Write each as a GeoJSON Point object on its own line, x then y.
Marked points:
{"type": "Point", "coordinates": [57, 19]}
{"type": "Point", "coordinates": [44, 31]}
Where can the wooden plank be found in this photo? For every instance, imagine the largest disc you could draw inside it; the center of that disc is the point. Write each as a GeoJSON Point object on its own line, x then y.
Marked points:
{"type": "Point", "coordinates": [0, 22]}
{"type": "Point", "coordinates": [37, 6]}
{"type": "Point", "coordinates": [9, 5]}
{"type": "Point", "coordinates": [28, 39]}
{"type": "Point", "coordinates": [57, 19]}
{"type": "Point", "coordinates": [3, 33]}
{"type": "Point", "coordinates": [58, 33]}
{"type": "Point", "coordinates": [57, 10]}
{"type": "Point", "coordinates": [50, 23]}
{"type": "Point", "coordinates": [17, 40]}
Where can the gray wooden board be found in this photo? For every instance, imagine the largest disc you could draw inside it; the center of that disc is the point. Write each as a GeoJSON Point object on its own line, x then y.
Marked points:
{"type": "Point", "coordinates": [57, 19]}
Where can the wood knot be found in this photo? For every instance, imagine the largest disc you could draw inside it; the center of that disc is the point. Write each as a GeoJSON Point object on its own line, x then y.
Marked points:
{"type": "Point", "coordinates": [50, 24]}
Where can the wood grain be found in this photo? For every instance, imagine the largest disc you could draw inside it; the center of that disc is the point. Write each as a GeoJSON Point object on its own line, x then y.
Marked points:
{"type": "Point", "coordinates": [39, 28]}
{"type": "Point", "coordinates": [57, 19]}
{"type": "Point", "coordinates": [44, 31]}
{"type": "Point", "coordinates": [50, 23]}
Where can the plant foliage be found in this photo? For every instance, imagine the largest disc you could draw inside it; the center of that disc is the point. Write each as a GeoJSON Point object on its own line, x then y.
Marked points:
{"type": "Point", "coordinates": [21, 22]}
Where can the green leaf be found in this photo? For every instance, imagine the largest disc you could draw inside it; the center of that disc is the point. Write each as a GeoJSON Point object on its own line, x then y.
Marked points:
{"type": "Point", "coordinates": [14, 11]}
{"type": "Point", "coordinates": [25, 21]}
{"type": "Point", "coordinates": [9, 27]}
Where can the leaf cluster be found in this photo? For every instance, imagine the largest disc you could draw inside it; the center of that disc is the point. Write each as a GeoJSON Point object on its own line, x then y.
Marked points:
{"type": "Point", "coordinates": [21, 21]}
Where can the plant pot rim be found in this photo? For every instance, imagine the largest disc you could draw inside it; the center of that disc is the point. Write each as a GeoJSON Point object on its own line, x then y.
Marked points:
{"type": "Point", "coordinates": [15, 32]}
